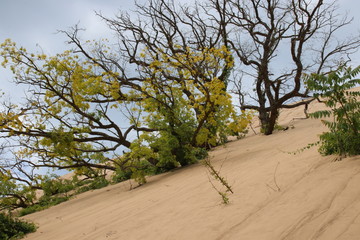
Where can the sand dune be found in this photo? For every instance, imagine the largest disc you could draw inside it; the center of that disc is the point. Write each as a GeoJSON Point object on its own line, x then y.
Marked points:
{"type": "Point", "coordinates": [276, 196]}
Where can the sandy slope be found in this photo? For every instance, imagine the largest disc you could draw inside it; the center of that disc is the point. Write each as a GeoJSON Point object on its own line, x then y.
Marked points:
{"type": "Point", "coordinates": [318, 198]}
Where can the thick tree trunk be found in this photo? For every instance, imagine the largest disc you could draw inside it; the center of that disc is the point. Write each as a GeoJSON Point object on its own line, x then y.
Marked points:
{"type": "Point", "coordinates": [268, 120]}
{"type": "Point", "coordinates": [272, 121]}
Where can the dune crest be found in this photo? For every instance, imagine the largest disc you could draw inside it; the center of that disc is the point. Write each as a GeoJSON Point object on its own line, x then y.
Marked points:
{"type": "Point", "coordinates": [276, 196]}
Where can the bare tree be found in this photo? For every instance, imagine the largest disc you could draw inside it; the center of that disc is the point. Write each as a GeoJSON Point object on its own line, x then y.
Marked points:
{"type": "Point", "coordinates": [276, 42]}
{"type": "Point", "coordinates": [164, 28]}
{"type": "Point", "coordinates": [70, 120]}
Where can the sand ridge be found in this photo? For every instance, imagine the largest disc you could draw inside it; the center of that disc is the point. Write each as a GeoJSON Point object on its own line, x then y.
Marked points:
{"type": "Point", "coordinates": [317, 197]}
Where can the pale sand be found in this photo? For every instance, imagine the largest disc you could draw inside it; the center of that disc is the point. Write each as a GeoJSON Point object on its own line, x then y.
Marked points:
{"type": "Point", "coordinates": [318, 198]}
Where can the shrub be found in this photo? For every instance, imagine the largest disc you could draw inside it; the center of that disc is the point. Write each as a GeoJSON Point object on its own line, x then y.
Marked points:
{"type": "Point", "coordinates": [333, 89]}
{"type": "Point", "coordinates": [121, 175]}
{"type": "Point", "coordinates": [96, 183]}
{"type": "Point", "coordinates": [31, 209]}
{"type": "Point", "coordinates": [12, 228]}
{"type": "Point", "coordinates": [53, 186]}
{"type": "Point", "coordinates": [44, 203]}
{"type": "Point", "coordinates": [57, 190]}
{"type": "Point", "coordinates": [14, 194]}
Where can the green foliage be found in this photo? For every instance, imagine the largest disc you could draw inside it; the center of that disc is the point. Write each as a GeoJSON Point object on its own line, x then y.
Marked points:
{"type": "Point", "coordinates": [333, 88]}
{"type": "Point", "coordinates": [14, 195]}
{"type": "Point", "coordinates": [310, 145]}
{"type": "Point", "coordinates": [44, 203]}
{"type": "Point", "coordinates": [57, 190]}
{"type": "Point", "coordinates": [31, 209]}
{"type": "Point", "coordinates": [54, 185]}
{"type": "Point", "coordinates": [92, 184]}
{"type": "Point", "coordinates": [12, 228]}
{"type": "Point", "coordinates": [189, 110]}
{"type": "Point", "coordinates": [121, 175]}
{"type": "Point", "coordinates": [179, 106]}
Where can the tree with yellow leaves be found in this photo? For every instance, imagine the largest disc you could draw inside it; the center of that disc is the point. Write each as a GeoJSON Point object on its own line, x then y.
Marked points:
{"type": "Point", "coordinates": [187, 102]}
{"type": "Point", "coordinates": [153, 102]}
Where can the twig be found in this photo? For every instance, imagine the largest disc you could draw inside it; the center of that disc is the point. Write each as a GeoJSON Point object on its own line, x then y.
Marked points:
{"type": "Point", "coordinates": [252, 128]}
{"type": "Point", "coordinates": [216, 175]}
{"type": "Point", "coordinates": [277, 189]}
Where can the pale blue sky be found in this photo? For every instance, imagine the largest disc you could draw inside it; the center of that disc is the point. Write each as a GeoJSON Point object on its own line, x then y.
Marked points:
{"type": "Point", "coordinates": [31, 22]}
{"type": "Point", "coordinates": [35, 22]}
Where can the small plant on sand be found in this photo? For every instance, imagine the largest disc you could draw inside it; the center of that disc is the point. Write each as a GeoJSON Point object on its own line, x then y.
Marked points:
{"type": "Point", "coordinates": [333, 89]}
{"type": "Point", "coordinates": [216, 175]}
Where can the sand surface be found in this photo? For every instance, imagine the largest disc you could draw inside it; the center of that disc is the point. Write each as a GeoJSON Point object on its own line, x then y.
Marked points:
{"type": "Point", "coordinates": [276, 196]}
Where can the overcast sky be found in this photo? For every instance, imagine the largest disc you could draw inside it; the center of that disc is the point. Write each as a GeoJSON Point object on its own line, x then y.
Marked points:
{"type": "Point", "coordinates": [31, 22]}
{"type": "Point", "coordinates": [35, 22]}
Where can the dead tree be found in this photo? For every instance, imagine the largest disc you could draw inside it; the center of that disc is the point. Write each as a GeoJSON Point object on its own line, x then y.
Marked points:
{"type": "Point", "coordinates": [276, 42]}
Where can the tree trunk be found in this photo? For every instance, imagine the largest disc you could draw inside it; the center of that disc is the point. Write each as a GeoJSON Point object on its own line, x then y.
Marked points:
{"type": "Point", "coordinates": [272, 121]}
{"type": "Point", "coordinates": [268, 120]}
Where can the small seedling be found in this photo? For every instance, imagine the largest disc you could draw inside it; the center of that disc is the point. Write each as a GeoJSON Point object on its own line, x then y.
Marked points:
{"type": "Point", "coordinates": [216, 175]}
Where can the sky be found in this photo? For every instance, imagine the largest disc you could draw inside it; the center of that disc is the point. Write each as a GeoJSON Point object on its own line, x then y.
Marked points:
{"type": "Point", "coordinates": [33, 24]}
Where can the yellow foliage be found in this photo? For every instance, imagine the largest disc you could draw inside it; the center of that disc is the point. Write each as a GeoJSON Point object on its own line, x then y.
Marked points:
{"type": "Point", "coordinates": [197, 73]}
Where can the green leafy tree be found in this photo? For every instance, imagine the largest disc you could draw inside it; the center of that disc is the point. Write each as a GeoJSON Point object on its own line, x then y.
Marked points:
{"type": "Point", "coordinates": [14, 194]}
{"type": "Point", "coordinates": [334, 89]}
{"type": "Point", "coordinates": [165, 83]}
{"type": "Point", "coordinates": [191, 109]}
{"type": "Point", "coordinates": [68, 122]}
{"type": "Point", "coordinates": [65, 121]}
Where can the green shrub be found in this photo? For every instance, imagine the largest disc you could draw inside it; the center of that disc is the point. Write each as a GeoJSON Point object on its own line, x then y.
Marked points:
{"type": "Point", "coordinates": [344, 136]}
{"type": "Point", "coordinates": [31, 209]}
{"type": "Point", "coordinates": [56, 192]}
{"type": "Point", "coordinates": [53, 186]}
{"type": "Point", "coordinates": [44, 203]}
{"type": "Point", "coordinates": [96, 183]}
{"type": "Point", "coordinates": [120, 176]}
{"type": "Point", "coordinates": [12, 228]}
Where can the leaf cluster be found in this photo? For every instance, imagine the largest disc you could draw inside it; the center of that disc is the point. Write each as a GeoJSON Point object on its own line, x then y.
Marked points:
{"type": "Point", "coordinates": [12, 228]}
{"type": "Point", "coordinates": [334, 89]}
